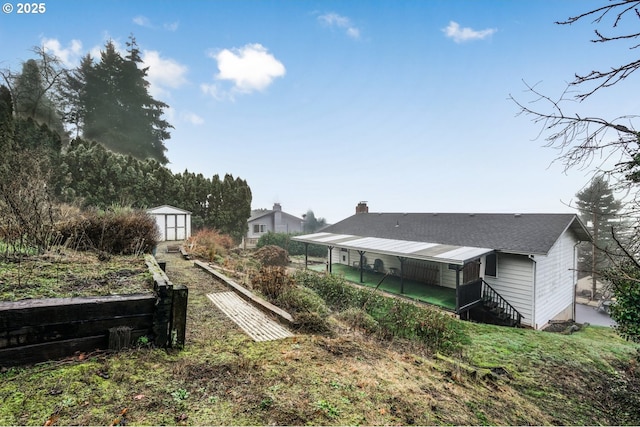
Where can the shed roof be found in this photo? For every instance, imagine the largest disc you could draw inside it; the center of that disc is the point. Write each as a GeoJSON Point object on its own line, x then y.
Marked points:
{"type": "Point", "coordinates": [167, 209]}
{"type": "Point", "coordinates": [515, 233]}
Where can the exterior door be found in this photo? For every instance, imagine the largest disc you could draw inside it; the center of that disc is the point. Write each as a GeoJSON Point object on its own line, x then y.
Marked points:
{"type": "Point", "coordinates": [181, 227]}
{"type": "Point", "coordinates": [171, 227]}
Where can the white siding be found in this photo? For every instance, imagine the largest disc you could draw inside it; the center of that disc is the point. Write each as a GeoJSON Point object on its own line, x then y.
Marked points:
{"type": "Point", "coordinates": [161, 221]}
{"type": "Point", "coordinates": [288, 224]}
{"type": "Point", "coordinates": [515, 283]}
{"type": "Point", "coordinates": [447, 277]}
{"type": "Point", "coordinates": [555, 280]}
{"type": "Point", "coordinates": [340, 256]}
{"type": "Point", "coordinates": [265, 222]}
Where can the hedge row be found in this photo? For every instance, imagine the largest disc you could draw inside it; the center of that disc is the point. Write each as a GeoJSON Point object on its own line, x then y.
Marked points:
{"type": "Point", "coordinates": [118, 231]}
{"type": "Point", "coordinates": [395, 317]}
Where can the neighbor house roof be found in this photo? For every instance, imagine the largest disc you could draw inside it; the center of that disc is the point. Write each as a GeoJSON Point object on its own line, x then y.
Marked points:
{"type": "Point", "coordinates": [260, 213]}
{"type": "Point", "coordinates": [515, 233]}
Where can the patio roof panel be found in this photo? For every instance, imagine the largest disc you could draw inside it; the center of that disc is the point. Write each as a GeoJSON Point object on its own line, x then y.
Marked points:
{"type": "Point", "coordinates": [417, 250]}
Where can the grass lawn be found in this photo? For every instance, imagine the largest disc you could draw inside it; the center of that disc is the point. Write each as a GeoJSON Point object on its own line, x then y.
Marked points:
{"type": "Point", "coordinates": [431, 294]}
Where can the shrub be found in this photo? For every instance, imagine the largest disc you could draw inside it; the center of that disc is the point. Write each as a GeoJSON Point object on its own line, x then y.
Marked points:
{"type": "Point", "coordinates": [359, 319]}
{"type": "Point", "coordinates": [626, 309]}
{"type": "Point", "coordinates": [298, 299]}
{"type": "Point", "coordinates": [272, 256]}
{"type": "Point", "coordinates": [313, 323]}
{"type": "Point", "coordinates": [271, 281]}
{"type": "Point", "coordinates": [284, 241]}
{"type": "Point", "coordinates": [116, 231]}
{"type": "Point", "coordinates": [209, 244]}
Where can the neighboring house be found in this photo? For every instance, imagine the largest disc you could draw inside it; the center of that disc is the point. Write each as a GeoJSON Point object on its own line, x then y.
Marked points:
{"type": "Point", "coordinates": [529, 260]}
{"type": "Point", "coordinates": [173, 223]}
{"type": "Point", "coordinates": [263, 221]}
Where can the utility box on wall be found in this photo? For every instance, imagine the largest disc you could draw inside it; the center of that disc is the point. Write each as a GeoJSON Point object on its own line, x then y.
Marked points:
{"type": "Point", "coordinates": [173, 223]}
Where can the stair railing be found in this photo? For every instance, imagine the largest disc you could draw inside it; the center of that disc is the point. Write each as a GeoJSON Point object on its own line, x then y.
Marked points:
{"type": "Point", "coordinates": [491, 295]}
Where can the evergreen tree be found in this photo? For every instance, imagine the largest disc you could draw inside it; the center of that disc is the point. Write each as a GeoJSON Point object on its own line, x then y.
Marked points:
{"type": "Point", "coordinates": [6, 120]}
{"type": "Point", "coordinates": [73, 85]}
{"type": "Point", "coordinates": [598, 209]}
{"type": "Point", "coordinates": [114, 105]}
{"type": "Point", "coordinates": [311, 223]}
{"type": "Point", "coordinates": [31, 96]}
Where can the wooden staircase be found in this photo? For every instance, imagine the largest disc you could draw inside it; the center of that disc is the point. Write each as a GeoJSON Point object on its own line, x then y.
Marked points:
{"type": "Point", "coordinates": [490, 307]}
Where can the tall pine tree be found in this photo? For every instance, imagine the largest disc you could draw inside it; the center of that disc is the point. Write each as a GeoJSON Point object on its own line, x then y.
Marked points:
{"type": "Point", "coordinates": [115, 107]}
{"type": "Point", "coordinates": [598, 209]}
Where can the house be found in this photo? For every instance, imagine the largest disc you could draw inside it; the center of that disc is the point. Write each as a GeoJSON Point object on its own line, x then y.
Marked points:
{"type": "Point", "coordinates": [173, 223]}
{"type": "Point", "coordinates": [517, 265]}
{"type": "Point", "coordinates": [275, 220]}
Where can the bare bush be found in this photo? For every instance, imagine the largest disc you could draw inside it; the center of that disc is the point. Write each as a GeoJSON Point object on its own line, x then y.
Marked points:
{"type": "Point", "coordinates": [272, 255]}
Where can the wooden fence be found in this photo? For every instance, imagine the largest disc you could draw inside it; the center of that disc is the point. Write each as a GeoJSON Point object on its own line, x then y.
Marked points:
{"type": "Point", "coordinates": [37, 330]}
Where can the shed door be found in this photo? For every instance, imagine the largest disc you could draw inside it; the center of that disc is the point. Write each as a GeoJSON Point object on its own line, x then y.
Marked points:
{"type": "Point", "coordinates": [181, 229]}
{"type": "Point", "coordinates": [171, 227]}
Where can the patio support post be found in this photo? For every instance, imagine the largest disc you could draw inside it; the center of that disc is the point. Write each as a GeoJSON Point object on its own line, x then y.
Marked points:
{"type": "Point", "coordinates": [402, 260]}
{"type": "Point", "coordinates": [361, 267]}
{"type": "Point", "coordinates": [306, 255]}
{"type": "Point", "coordinates": [330, 257]}
{"type": "Point", "coordinates": [457, 288]}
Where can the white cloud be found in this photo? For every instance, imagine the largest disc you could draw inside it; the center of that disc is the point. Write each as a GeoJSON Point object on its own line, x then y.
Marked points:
{"type": "Point", "coordinates": [341, 22]}
{"type": "Point", "coordinates": [173, 26]}
{"type": "Point", "coordinates": [250, 68]}
{"type": "Point", "coordinates": [163, 73]}
{"type": "Point", "coordinates": [192, 118]}
{"type": "Point", "coordinates": [143, 21]}
{"type": "Point", "coordinates": [461, 35]}
{"type": "Point", "coordinates": [212, 90]}
{"type": "Point", "coordinates": [68, 55]}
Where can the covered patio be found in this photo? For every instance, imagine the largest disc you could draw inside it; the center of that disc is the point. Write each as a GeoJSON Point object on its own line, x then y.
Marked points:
{"type": "Point", "coordinates": [444, 275]}
{"type": "Point", "coordinates": [419, 291]}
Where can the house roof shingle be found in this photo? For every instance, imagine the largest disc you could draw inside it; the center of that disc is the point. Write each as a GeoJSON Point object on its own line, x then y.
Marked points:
{"type": "Point", "coordinates": [517, 233]}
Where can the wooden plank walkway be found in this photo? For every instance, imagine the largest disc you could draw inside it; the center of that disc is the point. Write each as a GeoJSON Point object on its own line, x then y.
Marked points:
{"type": "Point", "coordinates": [255, 323]}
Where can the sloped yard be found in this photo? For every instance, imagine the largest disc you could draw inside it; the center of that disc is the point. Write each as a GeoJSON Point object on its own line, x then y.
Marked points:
{"type": "Point", "coordinates": [503, 376]}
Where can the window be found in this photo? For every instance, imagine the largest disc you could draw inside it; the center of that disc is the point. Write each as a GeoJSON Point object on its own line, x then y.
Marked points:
{"type": "Point", "coordinates": [490, 268]}
{"type": "Point", "coordinates": [259, 228]}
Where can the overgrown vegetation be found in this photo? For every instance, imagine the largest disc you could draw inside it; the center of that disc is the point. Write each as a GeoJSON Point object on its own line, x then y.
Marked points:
{"type": "Point", "coordinates": [502, 376]}
{"type": "Point", "coordinates": [395, 317]}
{"type": "Point", "coordinates": [118, 230]}
{"type": "Point", "coordinates": [210, 245]}
{"type": "Point", "coordinates": [65, 272]}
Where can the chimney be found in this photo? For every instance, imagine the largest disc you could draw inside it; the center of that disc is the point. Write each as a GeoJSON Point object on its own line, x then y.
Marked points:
{"type": "Point", "coordinates": [362, 208]}
{"type": "Point", "coordinates": [277, 207]}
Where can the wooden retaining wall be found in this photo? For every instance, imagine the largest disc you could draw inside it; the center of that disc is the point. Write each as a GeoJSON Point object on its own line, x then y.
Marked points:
{"type": "Point", "coordinates": [37, 330]}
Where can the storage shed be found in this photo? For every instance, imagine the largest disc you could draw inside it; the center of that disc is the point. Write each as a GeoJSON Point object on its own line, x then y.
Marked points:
{"type": "Point", "coordinates": [173, 223]}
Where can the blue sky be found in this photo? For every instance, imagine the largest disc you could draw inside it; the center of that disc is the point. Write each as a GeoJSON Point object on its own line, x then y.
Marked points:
{"type": "Point", "coordinates": [322, 104]}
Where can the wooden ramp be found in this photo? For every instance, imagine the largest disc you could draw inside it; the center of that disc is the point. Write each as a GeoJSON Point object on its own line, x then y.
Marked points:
{"type": "Point", "coordinates": [254, 322]}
